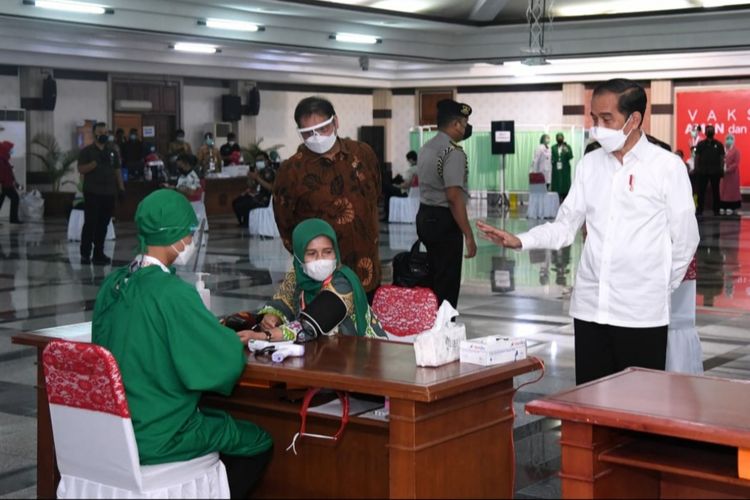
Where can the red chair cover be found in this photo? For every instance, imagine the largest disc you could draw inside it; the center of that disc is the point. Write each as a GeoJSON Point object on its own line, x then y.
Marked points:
{"type": "Point", "coordinates": [83, 375]}
{"type": "Point", "coordinates": [405, 311]}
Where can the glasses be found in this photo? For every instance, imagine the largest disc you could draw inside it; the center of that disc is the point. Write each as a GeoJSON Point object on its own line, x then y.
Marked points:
{"type": "Point", "coordinates": [323, 128]}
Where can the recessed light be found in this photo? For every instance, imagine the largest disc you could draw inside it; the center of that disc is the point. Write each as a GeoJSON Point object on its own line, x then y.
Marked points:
{"type": "Point", "coordinates": [70, 6]}
{"type": "Point", "coordinates": [196, 48]}
{"type": "Point", "coordinates": [230, 24]}
{"type": "Point", "coordinates": [355, 38]}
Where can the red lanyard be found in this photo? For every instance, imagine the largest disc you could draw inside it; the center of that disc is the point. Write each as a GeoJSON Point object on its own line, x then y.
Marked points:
{"type": "Point", "coordinates": [343, 396]}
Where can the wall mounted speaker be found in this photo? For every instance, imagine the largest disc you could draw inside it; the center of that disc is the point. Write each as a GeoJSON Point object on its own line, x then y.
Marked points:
{"type": "Point", "coordinates": [253, 102]}
{"type": "Point", "coordinates": [231, 108]}
{"type": "Point", "coordinates": [49, 93]}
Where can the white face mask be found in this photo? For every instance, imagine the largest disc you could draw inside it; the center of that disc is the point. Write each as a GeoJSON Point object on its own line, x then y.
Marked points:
{"type": "Point", "coordinates": [187, 253]}
{"type": "Point", "coordinates": [320, 269]}
{"type": "Point", "coordinates": [319, 143]}
{"type": "Point", "coordinates": [610, 140]}
{"type": "Point", "coordinates": [260, 165]}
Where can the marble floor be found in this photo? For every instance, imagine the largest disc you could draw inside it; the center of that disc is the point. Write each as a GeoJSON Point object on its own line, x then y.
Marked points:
{"type": "Point", "coordinates": [42, 284]}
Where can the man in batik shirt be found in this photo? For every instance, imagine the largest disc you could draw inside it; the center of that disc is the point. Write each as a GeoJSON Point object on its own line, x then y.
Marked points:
{"type": "Point", "coordinates": [335, 179]}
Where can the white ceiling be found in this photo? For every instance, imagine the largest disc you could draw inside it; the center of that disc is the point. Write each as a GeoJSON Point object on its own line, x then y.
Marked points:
{"type": "Point", "coordinates": [449, 41]}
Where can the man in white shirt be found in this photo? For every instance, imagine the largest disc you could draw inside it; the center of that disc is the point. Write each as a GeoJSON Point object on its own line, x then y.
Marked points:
{"type": "Point", "coordinates": [636, 201]}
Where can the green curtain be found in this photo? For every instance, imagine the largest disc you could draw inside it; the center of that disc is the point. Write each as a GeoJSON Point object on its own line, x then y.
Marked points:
{"type": "Point", "coordinates": [484, 167]}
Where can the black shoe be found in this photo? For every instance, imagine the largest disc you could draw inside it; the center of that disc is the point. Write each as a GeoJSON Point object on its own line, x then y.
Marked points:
{"type": "Point", "coordinates": [101, 260]}
{"type": "Point", "coordinates": [86, 260]}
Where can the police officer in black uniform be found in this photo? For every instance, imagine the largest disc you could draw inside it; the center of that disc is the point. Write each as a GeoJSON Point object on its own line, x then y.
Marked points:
{"type": "Point", "coordinates": [442, 221]}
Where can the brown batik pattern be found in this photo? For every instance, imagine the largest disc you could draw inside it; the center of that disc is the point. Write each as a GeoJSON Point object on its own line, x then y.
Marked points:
{"type": "Point", "coordinates": [344, 192]}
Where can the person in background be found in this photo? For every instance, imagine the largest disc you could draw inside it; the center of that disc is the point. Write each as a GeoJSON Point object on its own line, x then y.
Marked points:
{"type": "Point", "coordinates": [729, 187]}
{"type": "Point", "coordinates": [335, 179]}
{"type": "Point", "coordinates": [395, 187]}
{"type": "Point", "coordinates": [317, 267]}
{"type": "Point", "coordinates": [634, 197]}
{"type": "Point", "coordinates": [560, 164]}
{"type": "Point", "coordinates": [260, 179]}
{"type": "Point", "coordinates": [209, 158]}
{"type": "Point", "coordinates": [102, 183]}
{"type": "Point", "coordinates": [709, 167]}
{"type": "Point", "coordinates": [154, 168]}
{"type": "Point", "coordinates": [230, 147]}
{"type": "Point", "coordinates": [188, 183]}
{"type": "Point", "coordinates": [120, 137]}
{"type": "Point", "coordinates": [177, 147]}
{"type": "Point", "coordinates": [410, 178]}
{"type": "Point", "coordinates": [442, 220]}
{"type": "Point", "coordinates": [171, 349]}
{"type": "Point", "coordinates": [132, 152]}
{"type": "Point", "coordinates": [8, 181]}
{"type": "Point", "coordinates": [542, 161]}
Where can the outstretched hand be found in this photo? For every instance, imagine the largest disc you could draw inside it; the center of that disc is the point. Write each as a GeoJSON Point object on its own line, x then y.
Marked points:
{"type": "Point", "coordinates": [498, 236]}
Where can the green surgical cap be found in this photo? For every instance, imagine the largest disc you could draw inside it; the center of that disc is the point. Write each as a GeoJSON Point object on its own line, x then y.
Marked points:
{"type": "Point", "coordinates": [163, 218]}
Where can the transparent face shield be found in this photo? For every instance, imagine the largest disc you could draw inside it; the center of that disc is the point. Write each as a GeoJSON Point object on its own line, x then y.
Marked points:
{"type": "Point", "coordinates": [322, 128]}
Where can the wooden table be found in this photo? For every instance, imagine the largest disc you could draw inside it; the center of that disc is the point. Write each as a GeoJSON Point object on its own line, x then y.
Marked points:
{"type": "Point", "coordinates": [220, 191]}
{"type": "Point", "coordinates": [649, 434]}
{"type": "Point", "coordinates": [449, 435]}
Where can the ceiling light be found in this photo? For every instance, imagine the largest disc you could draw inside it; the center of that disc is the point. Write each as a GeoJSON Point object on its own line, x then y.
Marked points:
{"type": "Point", "coordinates": [402, 5]}
{"type": "Point", "coordinates": [69, 6]}
{"type": "Point", "coordinates": [620, 7]}
{"type": "Point", "coordinates": [723, 3]}
{"type": "Point", "coordinates": [229, 24]}
{"type": "Point", "coordinates": [197, 48]}
{"type": "Point", "coordinates": [355, 38]}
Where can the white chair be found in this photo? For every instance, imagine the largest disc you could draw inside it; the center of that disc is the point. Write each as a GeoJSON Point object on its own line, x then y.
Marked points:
{"type": "Point", "coordinates": [75, 226]}
{"type": "Point", "coordinates": [262, 222]}
{"type": "Point", "coordinates": [200, 212]}
{"type": "Point", "coordinates": [404, 209]}
{"type": "Point", "coordinates": [404, 312]}
{"type": "Point", "coordinates": [537, 195]}
{"type": "Point", "coordinates": [684, 353]}
{"type": "Point", "coordinates": [95, 445]}
{"type": "Point", "coordinates": [551, 205]}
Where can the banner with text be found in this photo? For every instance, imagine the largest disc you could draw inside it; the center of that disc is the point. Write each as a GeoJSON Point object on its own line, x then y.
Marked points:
{"type": "Point", "coordinates": [727, 110]}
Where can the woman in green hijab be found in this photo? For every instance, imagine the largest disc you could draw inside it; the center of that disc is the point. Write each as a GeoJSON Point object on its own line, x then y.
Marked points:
{"type": "Point", "coordinates": [316, 267]}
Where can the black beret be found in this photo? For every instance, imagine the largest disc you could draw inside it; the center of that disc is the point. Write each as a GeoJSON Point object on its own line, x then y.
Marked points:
{"type": "Point", "coordinates": [450, 107]}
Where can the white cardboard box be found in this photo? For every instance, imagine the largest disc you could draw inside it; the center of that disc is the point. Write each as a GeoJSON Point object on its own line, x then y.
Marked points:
{"type": "Point", "coordinates": [492, 350]}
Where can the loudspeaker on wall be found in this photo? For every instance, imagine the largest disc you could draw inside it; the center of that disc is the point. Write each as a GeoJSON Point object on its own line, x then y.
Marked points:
{"type": "Point", "coordinates": [231, 108]}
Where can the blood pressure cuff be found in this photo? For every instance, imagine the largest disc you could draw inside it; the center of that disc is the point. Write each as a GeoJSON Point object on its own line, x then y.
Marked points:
{"type": "Point", "coordinates": [240, 321]}
{"type": "Point", "coordinates": [321, 316]}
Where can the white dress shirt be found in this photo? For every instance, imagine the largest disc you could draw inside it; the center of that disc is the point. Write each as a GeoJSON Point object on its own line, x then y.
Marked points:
{"type": "Point", "coordinates": [641, 235]}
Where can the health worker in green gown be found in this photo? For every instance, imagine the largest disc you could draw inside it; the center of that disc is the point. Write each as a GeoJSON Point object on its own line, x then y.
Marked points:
{"type": "Point", "coordinates": [560, 158]}
{"type": "Point", "coordinates": [171, 350]}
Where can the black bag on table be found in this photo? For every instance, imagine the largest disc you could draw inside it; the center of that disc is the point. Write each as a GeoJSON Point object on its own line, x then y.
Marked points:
{"type": "Point", "coordinates": [411, 268]}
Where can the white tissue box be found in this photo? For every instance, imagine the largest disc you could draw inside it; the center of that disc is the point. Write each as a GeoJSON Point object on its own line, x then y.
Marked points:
{"type": "Point", "coordinates": [492, 350]}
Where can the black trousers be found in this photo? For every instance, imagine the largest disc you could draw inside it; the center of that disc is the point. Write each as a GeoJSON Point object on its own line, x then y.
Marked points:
{"type": "Point", "coordinates": [243, 473]}
{"type": "Point", "coordinates": [12, 195]}
{"type": "Point", "coordinates": [97, 213]}
{"type": "Point", "coordinates": [602, 350]}
{"type": "Point", "coordinates": [444, 240]}
{"type": "Point", "coordinates": [243, 204]}
{"type": "Point", "coordinates": [702, 181]}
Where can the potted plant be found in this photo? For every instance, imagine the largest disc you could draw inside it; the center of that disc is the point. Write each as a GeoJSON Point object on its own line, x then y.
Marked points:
{"type": "Point", "coordinates": [57, 164]}
{"type": "Point", "coordinates": [254, 148]}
